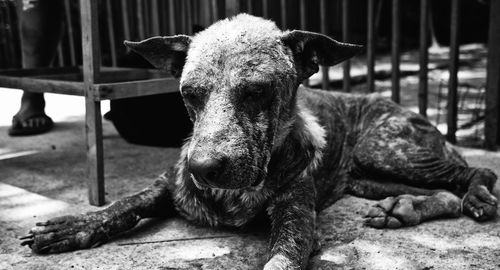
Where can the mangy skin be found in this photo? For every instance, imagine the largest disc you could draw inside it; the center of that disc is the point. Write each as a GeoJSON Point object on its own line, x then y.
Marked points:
{"type": "Point", "coordinates": [291, 151]}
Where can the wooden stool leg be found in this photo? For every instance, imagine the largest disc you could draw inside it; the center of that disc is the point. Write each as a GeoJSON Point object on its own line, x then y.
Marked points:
{"type": "Point", "coordinates": [95, 157]}
{"type": "Point", "coordinates": [93, 124]}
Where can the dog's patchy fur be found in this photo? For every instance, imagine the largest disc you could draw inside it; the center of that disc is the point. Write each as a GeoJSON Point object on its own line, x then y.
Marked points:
{"type": "Point", "coordinates": [288, 151]}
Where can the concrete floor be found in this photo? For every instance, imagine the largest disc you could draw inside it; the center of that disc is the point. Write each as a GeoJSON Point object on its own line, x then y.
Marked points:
{"type": "Point", "coordinates": [44, 176]}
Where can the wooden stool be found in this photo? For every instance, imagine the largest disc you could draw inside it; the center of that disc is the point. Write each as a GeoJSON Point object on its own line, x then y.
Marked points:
{"type": "Point", "coordinates": [96, 84]}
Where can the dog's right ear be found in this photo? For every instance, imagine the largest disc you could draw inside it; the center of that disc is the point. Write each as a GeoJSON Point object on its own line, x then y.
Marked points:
{"type": "Point", "coordinates": [168, 53]}
{"type": "Point", "coordinates": [312, 49]}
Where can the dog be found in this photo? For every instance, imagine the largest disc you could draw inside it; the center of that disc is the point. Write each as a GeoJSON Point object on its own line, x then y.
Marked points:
{"type": "Point", "coordinates": [264, 144]}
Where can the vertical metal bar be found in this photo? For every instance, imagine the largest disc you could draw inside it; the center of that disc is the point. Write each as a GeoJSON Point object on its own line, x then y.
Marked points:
{"type": "Point", "coordinates": [155, 29]}
{"type": "Point", "coordinates": [265, 9]}
{"type": "Point", "coordinates": [370, 52]}
{"type": "Point", "coordinates": [145, 17]}
{"type": "Point", "coordinates": [163, 10]}
{"type": "Point", "coordinates": [8, 45]}
{"type": "Point", "coordinates": [60, 50]}
{"type": "Point", "coordinates": [492, 121]}
{"type": "Point", "coordinates": [140, 21]}
{"type": "Point", "coordinates": [11, 46]}
{"type": "Point", "coordinates": [71, 38]}
{"type": "Point", "coordinates": [250, 7]}
{"type": "Point", "coordinates": [16, 26]}
{"type": "Point", "coordinates": [111, 31]}
{"type": "Point", "coordinates": [325, 80]}
{"type": "Point", "coordinates": [204, 12]}
{"type": "Point", "coordinates": [189, 17]}
{"type": "Point", "coordinates": [195, 10]}
{"type": "Point", "coordinates": [3, 41]}
{"type": "Point", "coordinates": [423, 58]}
{"type": "Point", "coordinates": [182, 16]}
{"type": "Point", "coordinates": [215, 11]}
{"type": "Point", "coordinates": [322, 16]}
{"type": "Point", "coordinates": [303, 18]}
{"type": "Point", "coordinates": [303, 25]}
{"type": "Point", "coordinates": [131, 18]}
{"type": "Point", "coordinates": [125, 20]}
{"type": "Point", "coordinates": [232, 7]}
{"type": "Point", "coordinates": [454, 62]}
{"type": "Point", "coordinates": [93, 125]}
{"type": "Point", "coordinates": [378, 14]}
{"type": "Point", "coordinates": [395, 51]}
{"type": "Point", "coordinates": [171, 17]}
{"type": "Point", "coordinates": [283, 14]}
{"type": "Point", "coordinates": [346, 83]}
{"type": "Point", "coordinates": [60, 55]}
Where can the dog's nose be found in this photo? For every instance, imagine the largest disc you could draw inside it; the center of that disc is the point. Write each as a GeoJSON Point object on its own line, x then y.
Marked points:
{"type": "Point", "coordinates": [207, 170]}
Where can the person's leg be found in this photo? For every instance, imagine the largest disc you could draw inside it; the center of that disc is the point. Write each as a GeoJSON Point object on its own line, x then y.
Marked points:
{"type": "Point", "coordinates": [41, 26]}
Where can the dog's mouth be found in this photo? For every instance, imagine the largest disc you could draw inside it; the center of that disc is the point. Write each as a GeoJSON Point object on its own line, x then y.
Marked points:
{"type": "Point", "coordinates": [200, 185]}
{"type": "Point", "coordinates": [256, 185]}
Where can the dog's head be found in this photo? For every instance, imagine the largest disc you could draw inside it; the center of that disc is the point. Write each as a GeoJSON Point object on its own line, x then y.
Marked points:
{"type": "Point", "coordinates": [239, 78]}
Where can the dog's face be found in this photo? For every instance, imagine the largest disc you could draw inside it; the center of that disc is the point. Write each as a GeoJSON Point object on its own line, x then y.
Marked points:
{"type": "Point", "coordinates": [239, 79]}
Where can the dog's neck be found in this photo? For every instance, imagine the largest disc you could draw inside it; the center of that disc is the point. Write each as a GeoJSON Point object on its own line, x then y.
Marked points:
{"type": "Point", "coordinates": [303, 139]}
{"type": "Point", "coordinates": [312, 133]}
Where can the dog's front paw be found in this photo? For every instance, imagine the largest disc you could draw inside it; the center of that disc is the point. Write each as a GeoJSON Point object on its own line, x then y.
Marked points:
{"type": "Point", "coordinates": [280, 262]}
{"type": "Point", "coordinates": [67, 233]}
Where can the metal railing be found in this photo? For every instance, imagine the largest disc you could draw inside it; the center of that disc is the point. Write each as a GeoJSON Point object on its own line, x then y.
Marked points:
{"type": "Point", "coordinates": [138, 19]}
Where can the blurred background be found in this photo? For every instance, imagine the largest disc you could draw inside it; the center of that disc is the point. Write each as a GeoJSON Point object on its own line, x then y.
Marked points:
{"type": "Point", "coordinates": [400, 37]}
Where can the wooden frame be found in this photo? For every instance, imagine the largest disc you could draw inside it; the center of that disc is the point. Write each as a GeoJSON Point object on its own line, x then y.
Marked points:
{"type": "Point", "coordinates": [95, 83]}
{"type": "Point", "coordinates": [115, 83]}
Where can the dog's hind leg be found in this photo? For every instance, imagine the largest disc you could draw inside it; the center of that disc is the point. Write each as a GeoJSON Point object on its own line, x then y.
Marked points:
{"type": "Point", "coordinates": [403, 205]}
{"type": "Point", "coordinates": [407, 149]}
{"type": "Point", "coordinates": [378, 190]}
{"type": "Point", "coordinates": [68, 233]}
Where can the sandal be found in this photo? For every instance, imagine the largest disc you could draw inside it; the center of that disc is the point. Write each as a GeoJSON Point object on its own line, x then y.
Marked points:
{"type": "Point", "coordinates": [35, 124]}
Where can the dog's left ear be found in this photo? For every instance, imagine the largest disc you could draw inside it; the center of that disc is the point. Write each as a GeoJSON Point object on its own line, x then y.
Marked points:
{"type": "Point", "coordinates": [312, 49]}
{"type": "Point", "coordinates": [168, 53]}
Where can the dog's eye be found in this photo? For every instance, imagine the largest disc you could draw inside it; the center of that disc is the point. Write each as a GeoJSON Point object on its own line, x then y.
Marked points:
{"type": "Point", "coordinates": [190, 95]}
{"type": "Point", "coordinates": [256, 92]}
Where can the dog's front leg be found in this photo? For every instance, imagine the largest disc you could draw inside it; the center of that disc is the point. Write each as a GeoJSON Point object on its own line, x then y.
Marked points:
{"type": "Point", "coordinates": [68, 233]}
{"type": "Point", "coordinates": [293, 219]}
